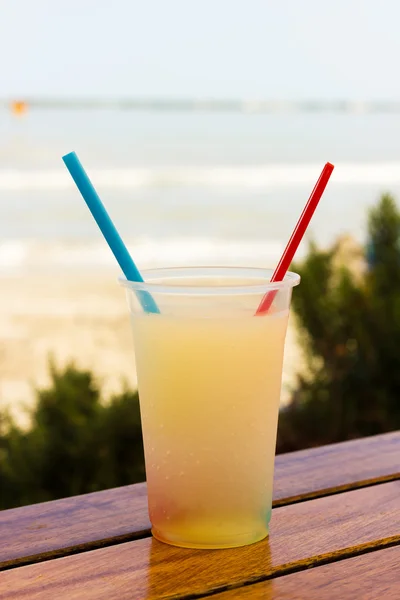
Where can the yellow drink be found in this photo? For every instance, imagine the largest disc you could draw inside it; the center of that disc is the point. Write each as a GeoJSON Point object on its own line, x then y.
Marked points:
{"type": "Point", "coordinates": [209, 394]}
{"type": "Point", "coordinates": [209, 375]}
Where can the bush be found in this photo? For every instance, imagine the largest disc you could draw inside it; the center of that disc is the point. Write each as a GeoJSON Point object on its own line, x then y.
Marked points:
{"type": "Point", "coordinates": [350, 332]}
{"type": "Point", "coordinates": [75, 444]}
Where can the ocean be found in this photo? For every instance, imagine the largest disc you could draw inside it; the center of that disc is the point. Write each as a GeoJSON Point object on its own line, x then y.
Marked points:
{"type": "Point", "coordinates": [186, 187]}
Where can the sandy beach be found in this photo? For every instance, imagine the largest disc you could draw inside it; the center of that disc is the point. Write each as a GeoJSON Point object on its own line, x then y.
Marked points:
{"type": "Point", "coordinates": [79, 318]}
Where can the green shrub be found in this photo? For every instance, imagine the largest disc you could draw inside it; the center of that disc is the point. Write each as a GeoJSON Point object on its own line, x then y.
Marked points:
{"type": "Point", "coordinates": [75, 444]}
{"type": "Point", "coordinates": [350, 331]}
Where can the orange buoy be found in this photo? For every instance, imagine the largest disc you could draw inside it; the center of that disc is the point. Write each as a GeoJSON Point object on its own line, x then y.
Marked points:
{"type": "Point", "coordinates": [18, 107]}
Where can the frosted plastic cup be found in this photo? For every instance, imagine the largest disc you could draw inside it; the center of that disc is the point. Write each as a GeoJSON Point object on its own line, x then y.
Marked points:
{"type": "Point", "coordinates": [209, 377]}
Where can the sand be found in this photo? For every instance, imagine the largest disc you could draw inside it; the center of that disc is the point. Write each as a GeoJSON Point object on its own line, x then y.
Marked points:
{"type": "Point", "coordinates": [77, 318]}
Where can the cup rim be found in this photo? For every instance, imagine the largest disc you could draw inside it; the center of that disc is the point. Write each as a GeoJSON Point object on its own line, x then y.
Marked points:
{"type": "Point", "coordinates": [156, 280]}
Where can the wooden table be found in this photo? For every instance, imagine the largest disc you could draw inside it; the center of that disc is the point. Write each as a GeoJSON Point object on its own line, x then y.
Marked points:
{"type": "Point", "coordinates": [335, 533]}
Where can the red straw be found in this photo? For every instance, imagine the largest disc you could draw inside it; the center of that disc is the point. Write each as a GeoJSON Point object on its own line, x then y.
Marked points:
{"type": "Point", "coordinates": [297, 236]}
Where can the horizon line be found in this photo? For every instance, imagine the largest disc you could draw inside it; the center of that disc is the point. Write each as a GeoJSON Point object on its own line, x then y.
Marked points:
{"type": "Point", "coordinates": [22, 103]}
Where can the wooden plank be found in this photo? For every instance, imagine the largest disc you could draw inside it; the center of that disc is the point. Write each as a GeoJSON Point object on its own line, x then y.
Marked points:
{"type": "Point", "coordinates": [328, 469]}
{"type": "Point", "coordinates": [367, 577]}
{"type": "Point", "coordinates": [302, 535]}
{"type": "Point", "coordinates": [41, 531]}
{"type": "Point", "coordinates": [33, 533]}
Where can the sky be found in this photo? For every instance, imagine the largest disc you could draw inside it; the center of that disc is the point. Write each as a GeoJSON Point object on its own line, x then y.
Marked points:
{"type": "Point", "coordinates": [253, 49]}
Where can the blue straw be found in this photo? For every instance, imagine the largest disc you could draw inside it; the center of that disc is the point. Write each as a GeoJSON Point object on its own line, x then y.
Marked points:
{"type": "Point", "coordinates": [107, 227]}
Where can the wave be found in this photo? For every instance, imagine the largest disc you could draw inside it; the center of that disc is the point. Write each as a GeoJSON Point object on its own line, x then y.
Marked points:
{"type": "Point", "coordinates": [19, 256]}
{"type": "Point", "coordinates": [267, 176]}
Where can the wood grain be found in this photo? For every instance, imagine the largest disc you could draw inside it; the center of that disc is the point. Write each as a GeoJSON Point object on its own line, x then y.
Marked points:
{"type": "Point", "coordinates": [369, 577]}
{"type": "Point", "coordinates": [302, 535]}
{"type": "Point", "coordinates": [34, 533]}
{"type": "Point", "coordinates": [320, 471]}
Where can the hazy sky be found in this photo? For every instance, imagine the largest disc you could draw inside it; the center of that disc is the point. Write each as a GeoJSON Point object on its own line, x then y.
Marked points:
{"type": "Point", "coordinates": [289, 49]}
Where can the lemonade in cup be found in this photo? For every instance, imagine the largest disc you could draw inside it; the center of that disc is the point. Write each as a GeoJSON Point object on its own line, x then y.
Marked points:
{"type": "Point", "coordinates": [209, 347]}
{"type": "Point", "coordinates": [209, 378]}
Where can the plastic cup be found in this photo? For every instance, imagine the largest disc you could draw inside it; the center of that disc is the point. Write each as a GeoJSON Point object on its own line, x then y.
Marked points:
{"type": "Point", "coordinates": [209, 378]}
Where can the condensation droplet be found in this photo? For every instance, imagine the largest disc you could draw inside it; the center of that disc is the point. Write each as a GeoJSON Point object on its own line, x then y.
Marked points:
{"type": "Point", "coordinates": [181, 473]}
{"type": "Point", "coordinates": [167, 477]}
{"type": "Point", "coordinates": [158, 467]}
{"type": "Point", "coordinates": [168, 452]}
{"type": "Point", "coordinates": [197, 462]}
